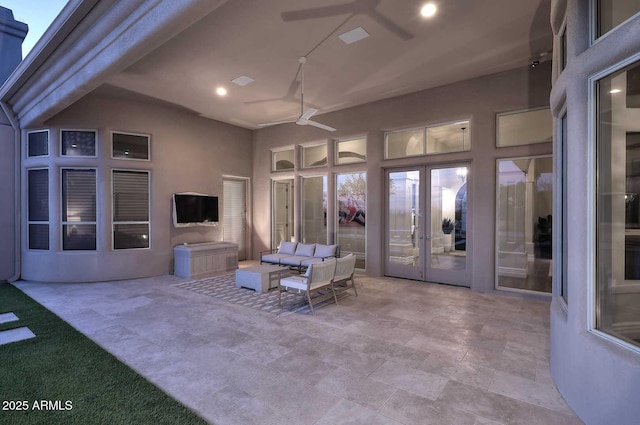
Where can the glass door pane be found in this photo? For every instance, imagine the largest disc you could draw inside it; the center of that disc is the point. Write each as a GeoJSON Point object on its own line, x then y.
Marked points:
{"type": "Point", "coordinates": [314, 210]}
{"type": "Point", "coordinates": [282, 207]}
{"type": "Point", "coordinates": [404, 216]}
{"type": "Point", "coordinates": [351, 202]}
{"type": "Point", "coordinates": [448, 226]}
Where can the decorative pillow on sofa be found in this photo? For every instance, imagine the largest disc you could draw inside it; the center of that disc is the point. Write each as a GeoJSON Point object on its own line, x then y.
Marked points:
{"type": "Point", "coordinates": [305, 249]}
{"type": "Point", "coordinates": [288, 248]}
{"type": "Point", "coordinates": [325, 250]}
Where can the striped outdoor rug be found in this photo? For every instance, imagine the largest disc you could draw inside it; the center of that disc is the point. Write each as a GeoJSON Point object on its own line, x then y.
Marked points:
{"type": "Point", "coordinates": [223, 287]}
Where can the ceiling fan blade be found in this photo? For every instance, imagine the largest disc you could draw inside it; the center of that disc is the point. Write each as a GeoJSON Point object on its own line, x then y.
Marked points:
{"type": "Point", "coordinates": [308, 113]}
{"type": "Point", "coordinates": [390, 25]}
{"type": "Point", "coordinates": [317, 12]}
{"type": "Point", "coordinates": [276, 123]}
{"type": "Point", "coordinates": [322, 126]}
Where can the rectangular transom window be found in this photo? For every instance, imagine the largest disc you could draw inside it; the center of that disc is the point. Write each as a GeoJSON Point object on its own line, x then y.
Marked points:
{"type": "Point", "coordinates": [435, 139]}
{"type": "Point", "coordinates": [38, 208]}
{"type": "Point", "coordinates": [130, 145]}
{"type": "Point", "coordinates": [131, 224]}
{"type": "Point", "coordinates": [524, 127]}
{"type": "Point", "coordinates": [351, 151]}
{"type": "Point", "coordinates": [618, 205]}
{"type": "Point", "coordinates": [78, 142]}
{"type": "Point", "coordinates": [403, 143]}
{"type": "Point", "coordinates": [283, 160]}
{"type": "Point", "coordinates": [38, 143]}
{"type": "Point", "coordinates": [314, 156]}
{"type": "Point", "coordinates": [78, 209]}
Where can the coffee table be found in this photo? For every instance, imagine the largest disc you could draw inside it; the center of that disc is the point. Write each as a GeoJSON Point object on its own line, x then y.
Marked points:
{"type": "Point", "coordinates": [261, 278]}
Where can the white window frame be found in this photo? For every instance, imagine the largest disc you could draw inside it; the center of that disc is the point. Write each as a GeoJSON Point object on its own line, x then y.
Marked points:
{"type": "Point", "coordinates": [48, 143]}
{"type": "Point", "coordinates": [283, 149]}
{"type": "Point", "coordinates": [520, 111]}
{"type": "Point", "coordinates": [350, 139]}
{"type": "Point", "coordinates": [560, 150]}
{"type": "Point", "coordinates": [312, 145]}
{"type": "Point", "coordinates": [424, 142]}
{"type": "Point", "coordinates": [48, 222]}
{"type": "Point", "coordinates": [63, 223]}
{"type": "Point", "coordinates": [113, 222]}
{"type": "Point", "coordinates": [129, 133]}
{"type": "Point", "coordinates": [95, 142]}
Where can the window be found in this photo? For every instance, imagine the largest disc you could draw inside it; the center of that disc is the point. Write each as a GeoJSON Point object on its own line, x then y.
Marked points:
{"type": "Point", "coordinates": [351, 203]}
{"type": "Point", "coordinates": [618, 204]}
{"type": "Point", "coordinates": [78, 209]}
{"type": "Point", "coordinates": [563, 47]}
{"type": "Point", "coordinates": [611, 13]}
{"type": "Point", "coordinates": [314, 209]}
{"type": "Point", "coordinates": [314, 156]}
{"type": "Point", "coordinates": [454, 137]}
{"type": "Point", "coordinates": [130, 209]}
{"type": "Point", "coordinates": [400, 144]}
{"type": "Point", "coordinates": [283, 160]}
{"type": "Point", "coordinates": [38, 143]}
{"type": "Point", "coordinates": [78, 143]}
{"type": "Point", "coordinates": [524, 223]}
{"type": "Point", "coordinates": [564, 187]}
{"type": "Point", "coordinates": [130, 145]}
{"type": "Point", "coordinates": [436, 139]}
{"type": "Point", "coordinates": [524, 127]}
{"type": "Point", "coordinates": [38, 208]}
{"type": "Point", "coordinates": [351, 151]}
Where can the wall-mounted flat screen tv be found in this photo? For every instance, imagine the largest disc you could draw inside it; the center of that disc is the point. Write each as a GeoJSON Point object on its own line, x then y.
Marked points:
{"type": "Point", "coordinates": [194, 209]}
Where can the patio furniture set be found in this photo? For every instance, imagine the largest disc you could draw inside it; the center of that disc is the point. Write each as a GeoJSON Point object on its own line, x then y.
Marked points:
{"type": "Point", "coordinates": [324, 272]}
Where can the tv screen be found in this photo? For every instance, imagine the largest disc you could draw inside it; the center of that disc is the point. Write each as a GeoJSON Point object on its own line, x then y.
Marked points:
{"type": "Point", "coordinates": [193, 209]}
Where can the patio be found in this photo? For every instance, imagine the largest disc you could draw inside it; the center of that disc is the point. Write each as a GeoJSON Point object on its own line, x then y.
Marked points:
{"type": "Point", "coordinates": [402, 352]}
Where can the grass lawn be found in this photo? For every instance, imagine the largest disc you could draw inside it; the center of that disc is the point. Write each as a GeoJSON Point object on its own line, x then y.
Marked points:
{"type": "Point", "coordinates": [67, 370]}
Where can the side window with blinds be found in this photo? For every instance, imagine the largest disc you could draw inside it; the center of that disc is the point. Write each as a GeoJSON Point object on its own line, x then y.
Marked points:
{"type": "Point", "coordinates": [78, 209]}
{"type": "Point", "coordinates": [38, 209]}
{"type": "Point", "coordinates": [130, 209]}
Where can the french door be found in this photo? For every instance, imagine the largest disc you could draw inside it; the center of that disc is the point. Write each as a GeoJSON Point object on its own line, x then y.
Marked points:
{"type": "Point", "coordinates": [427, 223]}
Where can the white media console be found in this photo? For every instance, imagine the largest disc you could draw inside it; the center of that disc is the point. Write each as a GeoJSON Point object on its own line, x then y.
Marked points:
{"type": "Point", "coordinates": [200, 259]}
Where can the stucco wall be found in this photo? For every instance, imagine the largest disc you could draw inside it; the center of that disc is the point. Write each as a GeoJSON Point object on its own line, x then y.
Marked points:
{"type": "Point", "coordinates": [7, 198]}
{"type": "Point", "coordinates": [598, 378]}
{"type": "Point", "coordinates": [188, 153]}
{"type": "Point", "coordinates": [478, 99]}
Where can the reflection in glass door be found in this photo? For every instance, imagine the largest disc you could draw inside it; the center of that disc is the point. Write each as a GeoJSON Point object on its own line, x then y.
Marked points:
{"type": "Point", "coordinates": [282, 211]}
{"type": "Point", "coordinates": [436, 231]}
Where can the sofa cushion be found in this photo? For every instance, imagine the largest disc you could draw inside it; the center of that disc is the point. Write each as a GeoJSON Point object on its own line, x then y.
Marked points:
{"type": "Point", "coordinates": [292, 260]}
{"type": "Point", "coordinates": [325, 250]}
{"type": "Point", "coordinates": [288, 248]}
{"type": "Point", "coordinates": [273, 258]}
{"type": "Point", "coordinates": [305, 249]}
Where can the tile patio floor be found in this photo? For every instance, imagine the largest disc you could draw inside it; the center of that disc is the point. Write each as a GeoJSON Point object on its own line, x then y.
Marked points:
{"type": "Point", "coordinates": [402, 352]}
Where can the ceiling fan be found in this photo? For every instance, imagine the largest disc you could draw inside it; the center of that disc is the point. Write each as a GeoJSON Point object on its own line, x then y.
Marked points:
{"type": "Point", "coordinates": [305, 116]}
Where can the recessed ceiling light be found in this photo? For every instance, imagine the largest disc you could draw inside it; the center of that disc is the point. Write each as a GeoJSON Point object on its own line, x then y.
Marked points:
{"type": "Point", "coordinates": [242, 80]}
{"type": "Point", "coordinates": [614, 91]}
{"type": "Point", "coordinates": [428, 10]}
{"type": "Point", "coordinates": [221, 91]}
{"type": "Point", "coordinates": [354, 35]}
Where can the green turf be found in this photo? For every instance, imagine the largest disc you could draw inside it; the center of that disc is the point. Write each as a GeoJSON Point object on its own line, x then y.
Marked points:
{"type": "Point", "coordinates": [62, 365]}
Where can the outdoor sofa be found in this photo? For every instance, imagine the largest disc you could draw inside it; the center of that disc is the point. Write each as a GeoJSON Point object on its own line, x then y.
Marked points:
{"type": "Point", "coordinates": [298, 255]}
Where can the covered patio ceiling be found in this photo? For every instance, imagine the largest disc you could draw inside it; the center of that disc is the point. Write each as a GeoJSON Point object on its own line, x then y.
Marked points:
{"type": "Point", "coordinates": [404, 53]}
